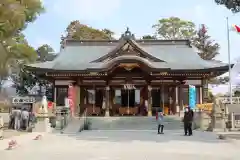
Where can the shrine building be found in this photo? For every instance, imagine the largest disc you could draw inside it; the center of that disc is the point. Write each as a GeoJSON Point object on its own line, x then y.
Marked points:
{"type": "Point", "coordinates": [127, 73]}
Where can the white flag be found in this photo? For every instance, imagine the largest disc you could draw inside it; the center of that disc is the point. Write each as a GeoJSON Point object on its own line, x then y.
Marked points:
{"type": "Point", "coordinates": [235, 74]}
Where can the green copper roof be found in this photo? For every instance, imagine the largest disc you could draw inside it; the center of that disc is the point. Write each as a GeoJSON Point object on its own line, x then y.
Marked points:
{"type": "Point", "coordinates": [177, 56]}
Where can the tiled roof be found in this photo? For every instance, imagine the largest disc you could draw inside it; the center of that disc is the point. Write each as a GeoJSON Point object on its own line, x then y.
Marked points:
{"type": "Point", "coordinates": [177, 56]}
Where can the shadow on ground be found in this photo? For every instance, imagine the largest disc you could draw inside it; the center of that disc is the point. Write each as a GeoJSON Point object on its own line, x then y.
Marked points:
{"type": "Point", "coordinates": [124, 129]}
{"type": "Point", "coordinates": [145, 136]}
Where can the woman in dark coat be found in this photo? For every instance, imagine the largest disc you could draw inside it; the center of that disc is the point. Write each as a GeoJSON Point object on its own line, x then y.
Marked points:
{"type": "Point", "coordinates": [187, 120]}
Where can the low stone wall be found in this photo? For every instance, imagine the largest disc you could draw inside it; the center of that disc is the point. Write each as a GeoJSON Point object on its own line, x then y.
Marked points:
{"type": "Point", "coordinates": [206, 122]}
{"type": "Point", "coordinates": [201, 120]}
{"type": "Point", "coordinates": [5, 117]}
{"type": "Point", "coordinates": [42, 125]}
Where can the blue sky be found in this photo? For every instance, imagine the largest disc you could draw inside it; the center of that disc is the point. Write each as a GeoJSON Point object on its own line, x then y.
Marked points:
{"type": "Point", "coordinates": [138, 15]}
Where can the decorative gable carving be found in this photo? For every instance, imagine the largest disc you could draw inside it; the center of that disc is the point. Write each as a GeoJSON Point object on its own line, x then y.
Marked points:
{"type": "Point", "coordinates": [129, 66]}
{"type": "Point", "coordinates": [127, 46]}
{"type": "Point", "coordinates": [127, 49]}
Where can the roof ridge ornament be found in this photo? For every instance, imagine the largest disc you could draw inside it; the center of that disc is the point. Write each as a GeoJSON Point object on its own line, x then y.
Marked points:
{"type": "Point", "coordinates": [128, 35]}
{"type": "Point", "coordinates": [127, 32]}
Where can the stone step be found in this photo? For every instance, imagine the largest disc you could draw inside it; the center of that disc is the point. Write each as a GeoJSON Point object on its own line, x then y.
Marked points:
{"type": "Point", "coordinates": [133, 123]}
{"type": "Point", "coordinates": [73, 126]}
{"type": "Point", "coordinates": [124, 123]}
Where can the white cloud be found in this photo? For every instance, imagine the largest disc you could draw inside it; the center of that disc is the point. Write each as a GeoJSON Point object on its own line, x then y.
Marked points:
{"type": "Point", "coordinates": [86, 9]}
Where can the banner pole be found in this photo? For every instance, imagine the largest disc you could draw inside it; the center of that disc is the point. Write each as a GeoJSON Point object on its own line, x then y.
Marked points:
{"type": "Point", "coordinates": [229, 61]}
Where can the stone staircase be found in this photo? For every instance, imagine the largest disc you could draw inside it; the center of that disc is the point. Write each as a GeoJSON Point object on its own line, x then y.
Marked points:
{"type": "Point", "coordinates": [73, 126]}
{"type": "Point", "coordinates": [133, 123]}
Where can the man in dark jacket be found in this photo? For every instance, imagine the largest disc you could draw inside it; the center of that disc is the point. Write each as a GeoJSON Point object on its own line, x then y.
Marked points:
{"type": "Point", "coordinates": [187, 120]}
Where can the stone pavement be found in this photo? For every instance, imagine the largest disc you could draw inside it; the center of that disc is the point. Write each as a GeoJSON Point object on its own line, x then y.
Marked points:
{"type": "Point", "coordinates": [22, 140]}
{"type": "Point", "coordinates": [231, 135]}
{"type": "Point", "coordinates": [8, 133]}
{"type": "Point", "coordinates": [126, 145]}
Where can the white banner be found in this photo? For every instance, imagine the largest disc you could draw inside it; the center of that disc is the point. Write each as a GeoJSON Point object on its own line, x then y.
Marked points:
{"type": "Point", "coordinates": [129, 86]}
{"type": "Point", "coordinates": [235, 74]}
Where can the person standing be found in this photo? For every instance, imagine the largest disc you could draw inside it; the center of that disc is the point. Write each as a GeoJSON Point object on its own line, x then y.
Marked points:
{"type": "Point", "coordinates": [187, 120]}
{"type": "Point", "coordinates": [32, 119]}
{"type": "Point", "coordinates": [160, 119]}
{"type": "Point", "coordinates": [17, 118]}
{"type": "Point", "coordinates": [25, 118]}
{"type": "Point", "coordinates": [11, 118]}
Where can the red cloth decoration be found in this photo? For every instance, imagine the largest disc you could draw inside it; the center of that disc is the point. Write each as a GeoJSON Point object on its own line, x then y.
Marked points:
{"type": "Point", "coordinates": [50, 104]}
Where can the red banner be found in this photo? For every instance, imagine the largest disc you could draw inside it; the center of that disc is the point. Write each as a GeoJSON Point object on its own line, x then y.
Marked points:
{"type": "Point", "coordinates": [71, 97]}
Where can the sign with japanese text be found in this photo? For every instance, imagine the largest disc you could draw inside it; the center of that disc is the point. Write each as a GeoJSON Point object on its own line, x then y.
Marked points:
{"type": "Point", "coordinates": [192, 96]}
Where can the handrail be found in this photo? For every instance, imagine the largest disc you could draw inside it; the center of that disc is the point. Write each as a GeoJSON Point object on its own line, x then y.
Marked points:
{"type": "Point", "coordinates": [63, 119]}
{"type": "Point", "coordinates": [84, 117]}
{"type": "Point", "coordinates": [66, 119]}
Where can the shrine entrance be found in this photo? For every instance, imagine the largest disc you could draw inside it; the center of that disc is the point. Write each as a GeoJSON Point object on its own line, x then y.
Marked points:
{"type": "Point", "coordinates": [128, 96]}
{"type": "Point", "coordinates": [127, 100]}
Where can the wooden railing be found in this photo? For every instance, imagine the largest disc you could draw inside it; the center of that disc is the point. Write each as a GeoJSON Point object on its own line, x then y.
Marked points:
{"type": "Point", "coordinates": [128, 110]}
{"type": "Point", "coordinates": [205, 106]}
{"type": "Point", "coordinates": [91, 110]}
{"type": "Point", "coordinates": [227, 100]}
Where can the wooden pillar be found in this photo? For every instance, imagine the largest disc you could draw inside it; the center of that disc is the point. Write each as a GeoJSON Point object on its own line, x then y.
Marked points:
{"type": "Point", "coordinates": [107, 89]}
{"type": "Point", "coordinates": [81, 102]}
{"type": "Point", "coordinates": [172, 100]}
{"type": "Point", "coordinates": [200, 94]}
{"type": "Point", "coordinates": [86, 96]}
{"type": "Point", "coordinates": [55, 95]}
{"type": "Point", "coordinates": [181, 96]}
{"type": "Point", "coordinates": [94, 100]}
{"type": "Point", "coordinates": [176, 100]}
{"type": "Point", "coordinates": [112, 98]}
{"type": "Point", "coordinates": [205, 90]}
{"type": "Point", "coordinates": [149, 100]}
{"type": "Point", "coordinates": [77, 100]}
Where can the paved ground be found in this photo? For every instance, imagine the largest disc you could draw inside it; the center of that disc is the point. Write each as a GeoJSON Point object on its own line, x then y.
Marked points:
{"type": "Point", "coordinates": [126, 145]}
{"type": "Point", "coordinates": [10, 133]}
{"type": "Point", "coordinates": [231, 135]}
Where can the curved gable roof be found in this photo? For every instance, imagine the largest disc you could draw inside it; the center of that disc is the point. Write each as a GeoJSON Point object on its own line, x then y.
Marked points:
{"type": "Point", "coordinates": [120, 47]}
{"type": "Point", "coordinates": [128, 58]}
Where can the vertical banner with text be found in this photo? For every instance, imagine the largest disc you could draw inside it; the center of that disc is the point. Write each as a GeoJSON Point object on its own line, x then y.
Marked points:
{"type": "Point", "coordinates": [71, 98]}
{"type": "Point", "coordinates": [192, 96]}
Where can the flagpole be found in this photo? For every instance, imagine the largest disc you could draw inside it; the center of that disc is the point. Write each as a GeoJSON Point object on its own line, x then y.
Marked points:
{"type": "Point", "coordinates": [229, 61]}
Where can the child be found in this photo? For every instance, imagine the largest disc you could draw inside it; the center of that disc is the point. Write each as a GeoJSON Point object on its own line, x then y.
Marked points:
{"type": "Point", "coordinates": [159, 119]}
